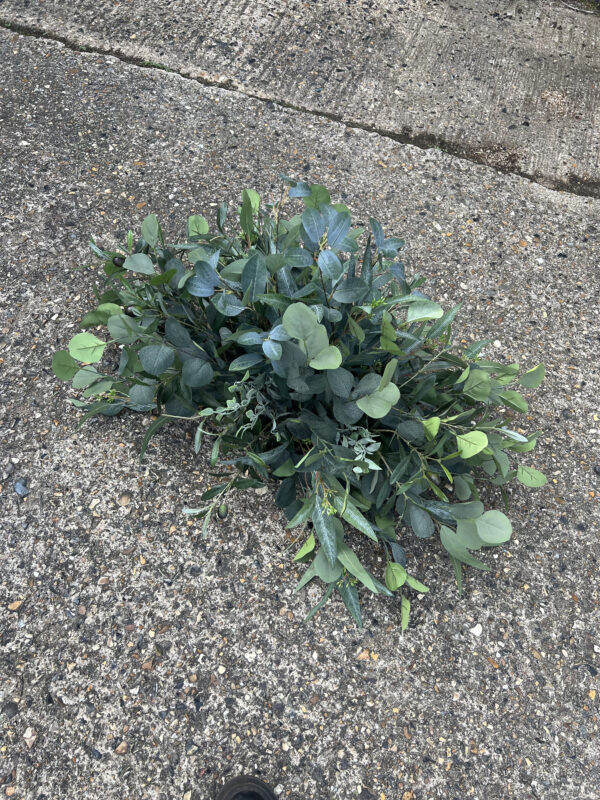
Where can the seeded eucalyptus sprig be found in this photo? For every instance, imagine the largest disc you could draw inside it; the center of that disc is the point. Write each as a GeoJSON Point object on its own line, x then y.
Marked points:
{"type": "Point", "coordinates": [316, 363]}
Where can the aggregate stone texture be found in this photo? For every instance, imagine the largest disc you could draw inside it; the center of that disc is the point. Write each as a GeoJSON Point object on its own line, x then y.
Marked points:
{"type": "Point", "coordinates": [510, 83]}
{"type": "Point", "coordinates": [141, 659]}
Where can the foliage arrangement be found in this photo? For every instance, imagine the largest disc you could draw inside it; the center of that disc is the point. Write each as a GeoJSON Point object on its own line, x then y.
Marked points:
{"type": "Point", "coordinates": [316, 363]}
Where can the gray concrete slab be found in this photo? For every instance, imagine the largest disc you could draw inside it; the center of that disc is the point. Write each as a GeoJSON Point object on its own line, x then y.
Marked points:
{"type": "Point", "coordinates": [145, 661]}
{"type": "Point", "coordinates": [515, 85]}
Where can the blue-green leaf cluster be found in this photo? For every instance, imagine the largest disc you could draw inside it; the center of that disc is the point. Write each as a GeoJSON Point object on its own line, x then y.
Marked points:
{"type": "Point", "coordinates": [299, 346]}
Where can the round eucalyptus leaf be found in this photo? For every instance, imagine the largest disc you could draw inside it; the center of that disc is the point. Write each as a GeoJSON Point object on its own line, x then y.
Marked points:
{"type": "Point", "coordinates": [156, 358]}
{"type": "Point", "coordinates": [64, 365]}
{"type": "Point", "coordinates": [228, 304]}
{"type": "Point", "coordinates": [84, 377]}
{"type": "Point", "coordinates": [529, 476]}
{"type": "Point", "coordinates": [494, 527]}
{"type": "Point", "coordinates": [329, 358]}
{"type": "Point", "coordinates": [123, 329]}
{"type": "Point", "coordinates": [142, 394]}
{"type": "Point", "coordinates": [272, 350]}
{"type": "Point", "coordinates": [203, 281]}
{"type": "Point", "coordinates": [86, 347]}
{"type": "Point", "coordinates": [323, 568]}
{"type": "Point", "coordinates": [299, 321]}
{"type": "Point", "coordinates": [196, 372]}
{"type": "Point", "coordinates": [472, 443]}
{"type": "Point", "coordinates": [141, 263]}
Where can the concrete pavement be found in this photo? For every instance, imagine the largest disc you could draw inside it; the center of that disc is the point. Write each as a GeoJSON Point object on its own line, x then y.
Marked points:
{"type": "Point", "coordinates": [141, 660]}
{"type": "Point", "coordinates": [512, 84]}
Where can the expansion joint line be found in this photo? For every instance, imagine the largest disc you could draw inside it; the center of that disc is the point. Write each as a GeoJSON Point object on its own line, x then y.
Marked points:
{"type": "Point", "coordinates": [423, 141]}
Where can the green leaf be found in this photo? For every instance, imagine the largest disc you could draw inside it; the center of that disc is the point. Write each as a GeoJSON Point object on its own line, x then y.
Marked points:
{"type": "Point", "coordinates": [272, 350]}
{"type": "Point", "coordinates": [329, 358]}
{"type": "Point", "coordinates": [142, 394]}
{"type": "Point", "coordinates": [462, 488]}
{"type": "Point", "coordinates": [378, 235]}
{"type": "Point", "coordinates": [466, 510]}
{"type": "Point", "coordinates": [349, 595]}
{"type": "Point", "coordinates": [419, 520]}
{"type": "Point", "coordinates": [467, 535]}
{"type": "Point", "coordinates": [318, 196]}
{"type": "Point", "coordinates": [304, 513]}
{"type": "Point", "coordinates": [330, 265]}
{"type": "Point", "coordinates": [349, 560]}
{"type": "Point", "coordinates": [529, 476]}
{"type": "Point", "coordinates": [457, 567]}
{"type": "Point", "coordinates": [494, 527]}
{"type": "Point", "coordinates": [469, 444]}
{"type": "Point", "coordinates": [443, 323]}
{"type": "Point", "coordinates": [246, 220]}
{"type": "Point", "coordinates": [338, 230]}
{"type": "Point", "coordinates": [356, 330]}
{"type": "Point", "coordinates": [84, 377]}
{"type": "Point", "coordinates": [307, 547]}
{"type": "Point", "coordinates": [340, 382]}
{"type": "Point", "coordinates": [378, 404]}
{"type": "Point", "coordinates": [316, 342]}
{"type": "Point", "coordinates": [254, 277]}
{"type": "Point", "coordinates": [64, 366]}
{"type": "Point", "coordinates": [285, 470]}
{"type": "Point", "coordinates": [203, 281]}
{"type": "Point", "coordinates": [422, 310]}
{"type": "Point", "coordinates": [502, 462]}
{"type": "Point", "coordinates": [431, 426]}
{"type": "Point", "coordinates": [514, 400]}
{"type": "Point", "coordinates": [86, 347]}
{"type": "Point", "coordinates": [310, 573]}
{"type": "Point", "coordinates": [156, 358]}
{"type": "Point", "coordinates": [99, 387]}
{"type": "Point", "coordinates": [352, 290]}
{"type": "Point", "coordinates": [150, 229]}
{"type": "Point", "coordinates": [313, 224]}
{"type": "Point", "coordinates": [452, 544]}
{"type": "Point", "coordinates": [517, 437]}
{"type": "Point", "coordinates": [123, 329]}
{"type": "Point", "coordinates": [196, 373]}
{"type": "Point", "coordinates": [352, 516]}
{"type": "Point", "coordinates": [245, 362]}
{"type": "Point", "coordinates": [416, 585]}
{"type": "Point", "coordinates": [325, 530]}
{"type": "Point", "coordinates": [177, 334]}
{"type": "Point", "coordinates": [254, 198]}
{"type": "Point", "coordinates": [140, 263]}
{"type": "Point", "coordinates": [214, 491]}
{"type": "Point", "coordinates": [196, 226]}
{"type": "Point", "coordinates": [233, 271]}
{"type": "Point", "coordinates": [395, 576]}
{"type": "Point", "coordinates": [325, 570]}
{"type": "Point", "coordinates": [388, 373]}
{"type": "Point", "coordinates": [405, 612]}
{"type": "Point", "coordinates": [533, 377]}
{"type": "Point", "coordinates": [299, 321]}
{"type": "Point", "coordinates": [92, 318]}
{"type": "Point", "coordinates": [477, 385]}
{"type": "Point", "coordinates": [227, 304]}
{"type": "Point", "coordinates": [298, 257]}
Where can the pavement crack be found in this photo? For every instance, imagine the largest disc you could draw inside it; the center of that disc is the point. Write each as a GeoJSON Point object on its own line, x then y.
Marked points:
{"type": "Point", "coordinates": [493, 156]}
